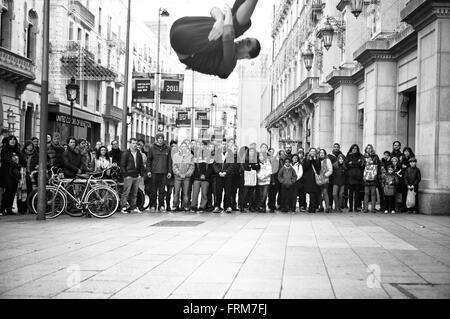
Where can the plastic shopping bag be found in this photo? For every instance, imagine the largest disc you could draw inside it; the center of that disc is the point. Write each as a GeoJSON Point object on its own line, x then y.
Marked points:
{"type": "Point", "coordinates": [411, 198]}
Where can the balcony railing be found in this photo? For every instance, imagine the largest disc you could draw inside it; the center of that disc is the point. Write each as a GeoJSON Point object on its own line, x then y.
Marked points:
{"type": "Point", "coordinates": [15, 68]}
{"type": "Point", "coordinates": [86, 16]}
{"type": "Point", "coordinates": [294, 98]}
{"type": "Point", "coordinates": [112, 112]}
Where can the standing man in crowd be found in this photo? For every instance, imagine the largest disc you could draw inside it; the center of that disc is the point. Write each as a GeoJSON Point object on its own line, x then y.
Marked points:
{"type": "Point", "coordinates": [115, 154]}
{"type": "Point", "coordinates": [223, 171]}
{"type": "Point", "coordinates": [55, 151]}
{"type": "Point", "coordinates": [132, 169]}
{"type": "Point", "coordinates": [333, 156]}
{"type": "Point", "coordinates": [159, 169]}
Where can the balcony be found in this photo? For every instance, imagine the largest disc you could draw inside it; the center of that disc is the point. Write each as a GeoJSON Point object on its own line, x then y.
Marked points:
{"type": "Point", "coordinates": [83, 13]}
{"type": "Point", "coordinates": [292, 100]}
{"type": "Point", "coordinates": [15, 68]}
{"type": "Point", "coordinates": [112, 113]}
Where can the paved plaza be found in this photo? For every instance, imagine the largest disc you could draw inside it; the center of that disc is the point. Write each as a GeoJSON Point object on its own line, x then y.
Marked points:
{"type": "Point", "coordinates": [226, 256]}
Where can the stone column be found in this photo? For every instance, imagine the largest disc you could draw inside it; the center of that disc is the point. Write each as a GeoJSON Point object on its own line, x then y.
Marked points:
{"type": "Point", "coordinates": [431, 20]}
{"type": "Point", "coordinates": [345, 120]}
{"type": "Point", "coordinates": [322, 125]}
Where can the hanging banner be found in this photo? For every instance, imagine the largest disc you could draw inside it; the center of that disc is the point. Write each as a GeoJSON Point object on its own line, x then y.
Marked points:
{"type": "Point", "coordinates": [144, 86]}
{"type": "Point", "coordinates": [202, 118]}
{"type": "Point", "coordinates": [172, 86]}
{"type": "Point", "coordinates": [183, 119]}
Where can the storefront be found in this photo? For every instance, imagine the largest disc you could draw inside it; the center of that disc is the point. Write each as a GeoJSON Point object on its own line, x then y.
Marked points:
{"type": "Point", "coordinates": [85, 124]}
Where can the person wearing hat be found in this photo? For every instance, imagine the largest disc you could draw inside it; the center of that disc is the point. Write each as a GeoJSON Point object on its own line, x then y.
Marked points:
{"type": "Point", "coordinates": [412, 180]}
{"type": "Point", "coordinates": [159, 169]}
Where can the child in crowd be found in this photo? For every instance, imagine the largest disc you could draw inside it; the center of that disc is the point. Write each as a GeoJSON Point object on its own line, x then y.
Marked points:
{"type": "Point", "coordinates": [338, 180]}
{"type": "Point", "coordinates": [412, 180]}
{"type": "Point", "coordinates": [287, 177]}
{"type": "Point", "coordinates": [390, 182]}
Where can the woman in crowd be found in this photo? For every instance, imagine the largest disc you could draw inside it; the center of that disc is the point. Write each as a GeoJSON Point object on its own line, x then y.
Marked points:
{"type": "Point", "coordinates": [326, 170]}
{"type": "Point", "coordinates": [399, 173]}
{"type": "Point", "coordinates": [298, 168]}
{"type": "Point", "coordinates": [264, 175]}
{"type": "Point", "coordinates": [339, 173]}
{"type": "Point", "coordinates": [371, 171]}
{"type": "Point", "coordinates": [311, 164]}
{"type": "Point", "coordinates": [102, 160]}
{"type": "Point", "coordinates": [31, 158]}
{"type": "Point", "coordinates": [12, 161]}
{"type": "Point", "coordinates": [251, 164]}
{"type": "Point", "coordinates": [407, 155]}
{"type": "Point", "coordinates": [354, 163]}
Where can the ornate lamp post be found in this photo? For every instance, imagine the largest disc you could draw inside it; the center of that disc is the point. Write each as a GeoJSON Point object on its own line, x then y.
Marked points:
{"type": "Point", "coordinates": [356, 7]}
{"type": "Point", "coordinates": [308, 57]}
{"type": "Point", "coordinates": [72, 91]}
{"type": "Point", "coordinates": [11, 118]}
{"type": "Point", "coordinates": [327, 29]}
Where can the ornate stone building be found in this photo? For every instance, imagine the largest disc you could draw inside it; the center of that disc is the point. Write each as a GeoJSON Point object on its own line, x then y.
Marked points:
{"type": "Point", "coordinates": [20, 66]}
{"type": "Point", "coordinates": [369, 71]}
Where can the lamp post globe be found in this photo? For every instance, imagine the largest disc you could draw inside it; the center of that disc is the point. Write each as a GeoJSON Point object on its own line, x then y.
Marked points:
{"type": "Point", "coordinates": [356, 7]}
{"type": "Point", "coordinates": [308, 57]}
{"type": "Point", "coordinates": [326, 33]}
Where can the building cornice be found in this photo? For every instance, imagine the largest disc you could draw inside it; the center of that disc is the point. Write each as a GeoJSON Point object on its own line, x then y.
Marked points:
{"type": "Point", "coordinates": [372, 51]}
{"type": "Point", "coordinates": [420, 13]}
{"type": "Point", "coordinates": [347, 76]}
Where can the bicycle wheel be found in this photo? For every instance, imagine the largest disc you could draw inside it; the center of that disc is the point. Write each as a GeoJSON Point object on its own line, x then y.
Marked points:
{"type": "Point", "coordinates": [56, 202]}
{"type": "Point", "coordinates": [102, 201]}
{"type": "Point", "coordinates": [142, 200]}
{"type": "Point", "coordinates": [76, 190]}
{"type": "Point", "coordinates": [30, 201]}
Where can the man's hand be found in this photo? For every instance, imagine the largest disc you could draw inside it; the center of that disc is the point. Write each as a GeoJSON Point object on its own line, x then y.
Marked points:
{"type": "Point", "coordinates": [149, 174]}
{"type": "Point", "coordinates": [169, 176]}
{"type": "Point", "coordinates": [216, 31]}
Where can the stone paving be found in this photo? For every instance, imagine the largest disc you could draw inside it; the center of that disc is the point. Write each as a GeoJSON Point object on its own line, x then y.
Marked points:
{"type": "Point", "coordinates": [226, 256]}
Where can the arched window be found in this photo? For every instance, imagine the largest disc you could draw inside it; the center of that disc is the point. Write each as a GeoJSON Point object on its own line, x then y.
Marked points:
{"type": "Point", "coordinates": [32, 31]}
{"type": "Point", "coordinates": [6, 16]}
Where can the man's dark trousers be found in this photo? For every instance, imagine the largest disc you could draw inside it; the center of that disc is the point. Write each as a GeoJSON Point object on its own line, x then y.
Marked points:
{"type": "Point", "coordinates": [223, 184]}
{"type": "Point", "coordinates": [159, 182]}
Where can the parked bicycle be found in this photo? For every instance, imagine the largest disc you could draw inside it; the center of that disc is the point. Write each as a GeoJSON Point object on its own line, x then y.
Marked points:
{"type": "Point", "coordinates": [94, 197]}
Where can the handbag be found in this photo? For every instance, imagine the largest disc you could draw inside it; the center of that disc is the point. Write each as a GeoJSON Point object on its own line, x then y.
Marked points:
{"type": "Point", "coordinates": [250, 178]}
{"type": "Point", "coordinates": [320, 179]}
{"type": "Point", "coordinates": [370, 173]}
{"type": "Point", "coordinates": [411, 198]}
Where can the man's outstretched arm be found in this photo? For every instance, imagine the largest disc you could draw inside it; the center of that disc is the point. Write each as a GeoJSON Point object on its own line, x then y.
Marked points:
{"type": "Point", "coordinates": [217, 29]}
{"type": "Point", "coordinates": [245, 11]}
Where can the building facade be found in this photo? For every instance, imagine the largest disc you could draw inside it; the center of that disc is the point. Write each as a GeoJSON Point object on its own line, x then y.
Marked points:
{"type": "Point", "coordinates": [144, 46]}
{"type": "Point", "coordinates": [21, 27]}
{"type": "Point", "coordinates": [382, 77]}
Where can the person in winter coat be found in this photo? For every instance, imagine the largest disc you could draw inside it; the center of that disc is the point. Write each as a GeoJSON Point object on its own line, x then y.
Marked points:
{"type": "Point", "coordinates": [390, 182]}
{"type": "Point", "coordinates": [12, 161]}
{"type": "Point", "coordinates": [287, 179]}
{"type": "Point", "coordinates": [263, 176]}
{"type": "Point", "coordinates": [400, 173]}
{"type": "Point", "coordinates": [202, 174]}
{"type": "Point", "coordinates": [183, 168]}
{"type": "Point", "coordinates": [251, 163]}
{"type": "Point", "coordinates": [224, 167]}
{"type": "Point", "coordinates": [338, 181]}
{"type": "Point", "coordinates": [407, 154]}
{"type": "Point", "coordinates": [354, 163]}
{"type": "Point", "coordinates": [32, 164]}
{"type": "Point", "coordinates": [326, 170]}
{"type": "Point", "coordinates": [72, 159]}
{"type": "Point", "coordinates": [159, 169]}
{"type": "Point", "coordinates": [170, 185]}
{"type": "Point", "coordinates": [333, 156]}
{"type": "Point", "coordinates": [299, 172]}
{"type": "Point", "coordinates": [275, 196]}
{"type": "Point", "coordinates": [412, 180]}
{"type": "Point", "coordinates": [55, 151]}
{"type": "Point", "coordinates": [311, 164]}
{"type": "Point", "coordinates": [300, 185]}
{"type": "Point", "coordinates": [370, 174]}
{"type": "Point", "coordinates": [396, 150]}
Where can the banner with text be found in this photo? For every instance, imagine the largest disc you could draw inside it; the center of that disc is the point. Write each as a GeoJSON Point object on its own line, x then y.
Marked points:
{"type": "Point", "coordinates": [171, 88]}
{"type": "Point", "coordinates": [183, 119]}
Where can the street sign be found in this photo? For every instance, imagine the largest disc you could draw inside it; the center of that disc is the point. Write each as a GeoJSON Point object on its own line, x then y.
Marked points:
{"type": "Point", "coordinates": [172, 87]}
{"type": "Point", "coordinates": [202, 119]}
{"type": "Point", "coordinates": [183, 119]}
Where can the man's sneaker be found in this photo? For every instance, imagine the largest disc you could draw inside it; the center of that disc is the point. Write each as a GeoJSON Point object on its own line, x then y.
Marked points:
{"type": "Point", "coordinates": [136, 211]}
{"type": "Point", "coordinates": [393, 212]}
{"type": "Point", "coordinates": [194, 209]}
{"type": "Point", "coordinates": [152, 209]}
{"type": "Point", "coordinates": [229, 210]}
{"type": "Point", "coordinates": [386, 212]}
{"type": "Point", "coordinates": [125, 210]}
{"type": "Point", "coordinates": [216, 210]}
{"type": "Point", "coordinates": [162, 209]}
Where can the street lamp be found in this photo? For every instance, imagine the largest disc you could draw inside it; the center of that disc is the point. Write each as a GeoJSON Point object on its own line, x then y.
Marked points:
{"type": "Point", "coordinates": [72, 91]}
{"type": "Point", "coordinates": [356, 7]}
{"type": "Point", "coordinates": [161, 13]}
{"type": "Point", "coordinates": [308, 57]}
{"type": "Point", "coordinates": [11, 120]}
{"type": "Point", "coordinates": [326, 33]}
